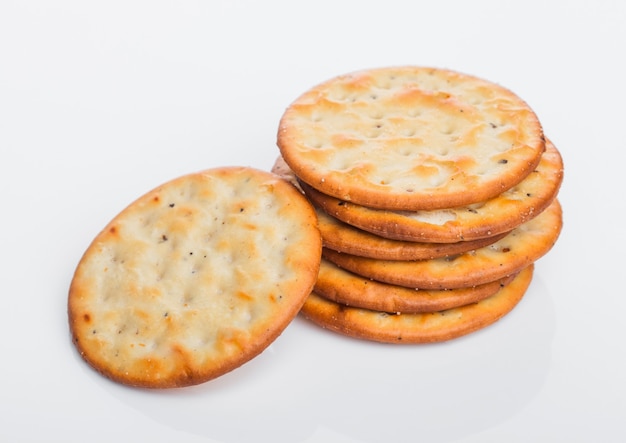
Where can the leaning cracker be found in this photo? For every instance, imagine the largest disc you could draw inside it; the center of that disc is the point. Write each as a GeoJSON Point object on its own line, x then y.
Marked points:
{"type": "Point", "coordinates": [194, 278]}
{"type": "Point", "coordinates": [521, 247]}
{"type": "Point", "coordinates": [410, 138]}
{"type": "Point", "coordinates": [346, 288]}
{"type": "Point", "coordinates": [417, 328]}
{"type": "Point", "coordinates": [494, 216]}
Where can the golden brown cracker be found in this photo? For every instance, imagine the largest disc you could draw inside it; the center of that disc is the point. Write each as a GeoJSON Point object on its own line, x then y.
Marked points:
{"type": "Point", "coordinates": [417, 328]}
{"type": "Point", "coordinates": [194, 278]}
{"type": "Point", "coordinates": [410, 138]}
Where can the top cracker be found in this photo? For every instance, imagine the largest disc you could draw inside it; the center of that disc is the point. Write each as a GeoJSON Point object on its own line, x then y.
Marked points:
{"type": "Point", "coordinates": [410, 138]}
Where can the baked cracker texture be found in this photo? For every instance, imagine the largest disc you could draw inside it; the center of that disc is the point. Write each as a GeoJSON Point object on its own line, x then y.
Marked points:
{"type": "Point", "coordinates": [429, 327]}
{"type": "Point", "coordinates": [436, 194]}
{"type": "Point", "coordinates": [482, 220]}
{"type": "Point", "coordinates": [344, 237]}
{"type": "Point", "coordinates": [410, 138]}
{"type": "Point", "coordinates": [521, 247]}
{"type": "Point", "coordinates": [347, 288]}
{"type": "Point", "coordinates": [194, 278]}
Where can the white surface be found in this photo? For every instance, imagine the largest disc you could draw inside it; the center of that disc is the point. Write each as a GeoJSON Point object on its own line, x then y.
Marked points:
{"type": "Point", "coordinates": [102, 101]}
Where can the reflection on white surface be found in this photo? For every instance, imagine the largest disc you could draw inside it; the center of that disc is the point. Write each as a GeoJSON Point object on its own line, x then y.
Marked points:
{"type": "Point", "coordinates": [312, 381]}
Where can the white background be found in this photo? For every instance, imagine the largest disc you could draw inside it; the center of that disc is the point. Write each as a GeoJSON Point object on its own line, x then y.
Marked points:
{"type": "Point", "coordinates": [102, 101]}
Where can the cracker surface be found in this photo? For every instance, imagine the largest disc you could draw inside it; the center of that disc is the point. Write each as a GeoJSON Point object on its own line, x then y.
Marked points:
{"type": "Point", "coordinates": [410, 138]}
{"type": "Point", "coordinates": [194, 278]}
{"type": "Point", "coordinates": [481, 220]}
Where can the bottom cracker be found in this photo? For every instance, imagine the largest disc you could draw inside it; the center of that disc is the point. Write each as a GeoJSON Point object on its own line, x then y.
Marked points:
{"type": "Point", "coordinates": [417, 328]}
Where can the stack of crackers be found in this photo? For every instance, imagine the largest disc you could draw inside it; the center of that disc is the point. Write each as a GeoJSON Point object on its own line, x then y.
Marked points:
{"type": "Point", "coordinates": [436, 193]}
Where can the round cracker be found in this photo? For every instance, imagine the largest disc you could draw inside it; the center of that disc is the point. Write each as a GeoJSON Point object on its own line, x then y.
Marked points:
{"type": "Point", "coordinates": [521, 247]}
{"type": "Point", "coordinates": [495, 216]}
{"type": "Point", "coordinates": [417, 328]}
{"type": "Point", "coordinates": [194, 278]}
{"type": "Point", "coordinates": [343, 287]}
{"type": "Point", "coordinates": [283, 170]}
{"type": "Point", "coordinates": [343, 237]}
{"type": "Point", "coordinates": [410, 138]}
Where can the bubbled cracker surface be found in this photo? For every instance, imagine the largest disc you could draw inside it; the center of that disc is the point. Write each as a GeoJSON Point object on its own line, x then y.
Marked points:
{"type": "Point", "coordinates": [500, 214]}
{"type": "Point", "coordinates": [410, 138]}
{"type": "Point", "coordinates": [194, 278]}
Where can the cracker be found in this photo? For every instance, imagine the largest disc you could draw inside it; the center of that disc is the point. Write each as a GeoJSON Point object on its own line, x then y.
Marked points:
{"type": "Point", "coordinates": [343, 237]}
{"type": "Point", "coordinates": [283, 170]}
{"type": "Point", "coordinates": [194, 278]}
{"type": "Point", "coordinates": [417, 328]}
{"type": "Point", "coordinates": [343, 287]}
{"type": "Point", "coordinates": [520, 248]}
{"type": "Point", "coordinates": [410, 138]}
{"type": "Point", "coordinates": [486, 219]}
